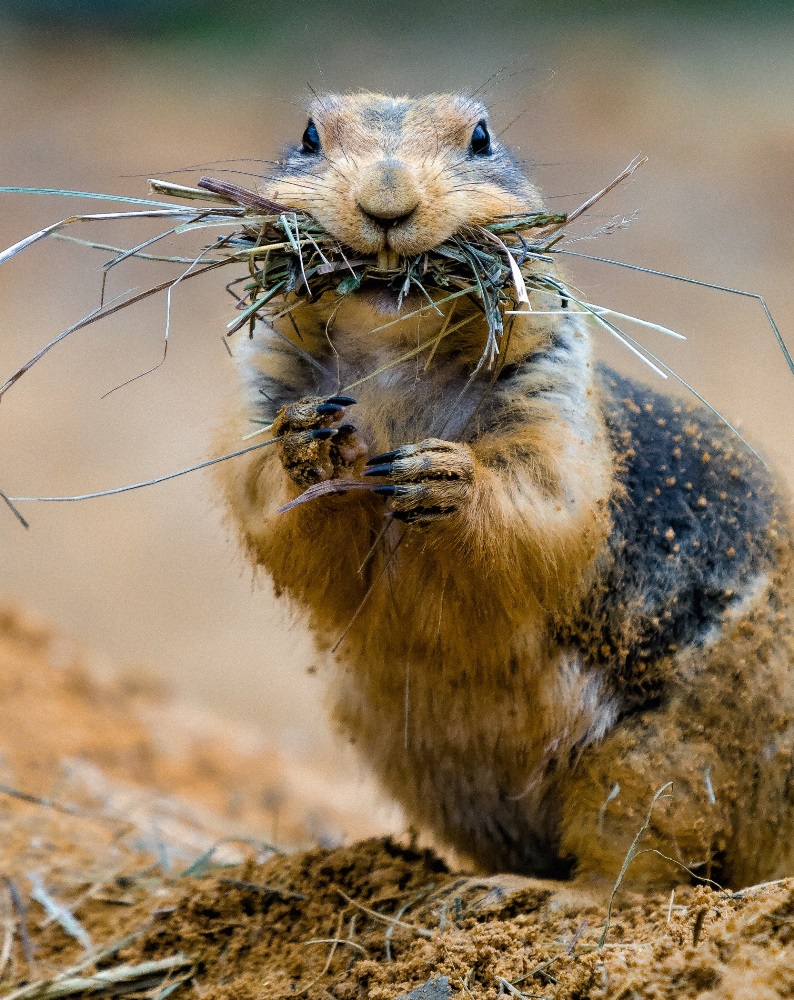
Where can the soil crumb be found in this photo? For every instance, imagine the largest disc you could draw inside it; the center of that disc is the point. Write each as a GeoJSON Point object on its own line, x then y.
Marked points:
{"type": "Point", "coordinates": [137, 859]}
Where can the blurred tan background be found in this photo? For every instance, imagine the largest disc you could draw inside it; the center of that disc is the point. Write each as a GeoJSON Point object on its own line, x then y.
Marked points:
{"type": "Point", "coordinates": [103, 97]}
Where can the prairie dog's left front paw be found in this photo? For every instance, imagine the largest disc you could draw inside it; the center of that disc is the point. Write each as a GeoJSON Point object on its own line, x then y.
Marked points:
{"type": "Point", "coordinates": [425, 481]}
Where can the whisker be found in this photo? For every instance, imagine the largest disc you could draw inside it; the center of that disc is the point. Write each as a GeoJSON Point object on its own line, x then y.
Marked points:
{"type": "Point", "coordinates": [201, 166]}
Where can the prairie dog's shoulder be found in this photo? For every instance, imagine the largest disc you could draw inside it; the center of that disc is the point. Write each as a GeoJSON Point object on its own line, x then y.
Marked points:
{"type": "Point", "coordinates": [417, 168]}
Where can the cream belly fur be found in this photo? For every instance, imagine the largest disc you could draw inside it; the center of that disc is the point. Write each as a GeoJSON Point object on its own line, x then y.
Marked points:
{"type": "Point", "coordinates": [567, 591]}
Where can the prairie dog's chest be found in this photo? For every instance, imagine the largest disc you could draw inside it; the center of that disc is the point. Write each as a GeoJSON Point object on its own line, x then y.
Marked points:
{"type": "Point", "coordinates": [401, 398]}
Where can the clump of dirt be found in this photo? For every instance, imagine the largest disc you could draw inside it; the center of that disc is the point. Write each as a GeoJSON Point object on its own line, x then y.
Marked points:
{"type": "Point", "coordinates": [379, 920]}
{"type": "Point", "coordinates": [124, 871]}
{"type": "Point", "coordinates": [109, 790]}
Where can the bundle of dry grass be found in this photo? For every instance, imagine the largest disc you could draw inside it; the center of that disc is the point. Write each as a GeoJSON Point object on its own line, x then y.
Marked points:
{"type": "Point", "coordinates": [289, 256]}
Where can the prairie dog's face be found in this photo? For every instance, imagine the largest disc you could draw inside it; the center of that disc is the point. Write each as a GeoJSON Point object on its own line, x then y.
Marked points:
{"type": "Point", "coordinates": [398, 175]}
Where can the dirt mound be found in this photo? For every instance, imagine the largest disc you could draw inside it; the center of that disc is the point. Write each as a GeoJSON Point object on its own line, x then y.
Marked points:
{"type": "Point", "coordinates": [135, 860]}
{"type": "Point", "coordinates": [378, 920]}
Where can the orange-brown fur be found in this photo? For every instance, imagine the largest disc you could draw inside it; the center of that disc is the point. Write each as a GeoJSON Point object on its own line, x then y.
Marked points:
{"type": "Point", "coordinates": [452, 677]}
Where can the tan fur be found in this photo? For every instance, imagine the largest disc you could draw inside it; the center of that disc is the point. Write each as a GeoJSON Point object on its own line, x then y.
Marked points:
{"type": "Point", "coordinates": [449, 680]}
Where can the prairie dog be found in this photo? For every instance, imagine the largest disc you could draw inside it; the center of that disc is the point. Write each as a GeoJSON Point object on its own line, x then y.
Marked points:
{"type": "Point", "coordinates": [568, 591]}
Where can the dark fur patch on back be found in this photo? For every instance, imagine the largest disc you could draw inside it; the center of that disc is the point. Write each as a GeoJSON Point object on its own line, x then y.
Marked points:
{"type": "Point", "coordinates": [694, 524]}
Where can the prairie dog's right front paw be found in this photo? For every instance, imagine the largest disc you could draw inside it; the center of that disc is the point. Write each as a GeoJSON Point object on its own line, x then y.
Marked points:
{"type": "Point", "coordinates": [313, 446]}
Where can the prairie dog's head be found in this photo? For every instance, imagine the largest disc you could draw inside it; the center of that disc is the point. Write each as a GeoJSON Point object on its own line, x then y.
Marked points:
{"type": "Point", "coordinates": [399, 175]}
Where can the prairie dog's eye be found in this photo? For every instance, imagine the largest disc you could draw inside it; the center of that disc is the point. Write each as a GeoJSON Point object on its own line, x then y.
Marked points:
{"type": "Point", "coordinates": [311, 139]}
{"type": "Point", "coordinates": [480, 140]}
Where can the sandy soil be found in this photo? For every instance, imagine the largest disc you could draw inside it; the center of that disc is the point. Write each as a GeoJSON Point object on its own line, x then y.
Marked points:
{"type": "Point", "coordinates": [137, 847]}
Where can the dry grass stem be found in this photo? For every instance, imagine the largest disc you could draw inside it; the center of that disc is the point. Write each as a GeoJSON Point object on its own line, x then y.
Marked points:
{"type": "Point", "coordinates": [386, 919]}
{"type": "Point", "coordinates": [664, 790]}
{"type": "Point", "coordinates": [290, 257]}
{"type": "Point", "coordinates": [58, 912]}
{"type": "Point", "coordinates": [122, 979]}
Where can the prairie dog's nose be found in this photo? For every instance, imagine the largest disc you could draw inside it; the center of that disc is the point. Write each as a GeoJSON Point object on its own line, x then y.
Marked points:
{"type": "Point", "coordinates": [389, 193]}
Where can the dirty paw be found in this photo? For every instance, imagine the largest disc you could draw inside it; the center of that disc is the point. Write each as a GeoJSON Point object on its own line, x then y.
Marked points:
{"type": "Point", "coordinates": [425, 481]}
{"type": "Point", "coordinates": [314, 445]}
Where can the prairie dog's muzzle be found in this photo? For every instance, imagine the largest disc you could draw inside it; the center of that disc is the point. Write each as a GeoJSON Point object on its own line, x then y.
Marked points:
{"type": "Point", "coordinates": [388, 194]}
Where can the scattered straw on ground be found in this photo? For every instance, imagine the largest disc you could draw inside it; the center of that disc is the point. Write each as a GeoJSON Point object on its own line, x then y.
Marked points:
{"type": "Point", "coordinates": [120, 875]}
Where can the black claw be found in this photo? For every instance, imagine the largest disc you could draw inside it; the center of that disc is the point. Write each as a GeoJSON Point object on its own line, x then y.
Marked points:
{"type": "Point", "coordinates": [347, 428]}
{"type": "Point", "coordinates": [387, 456]}
{"type": "Point", "coordinates": [342, 400]}
{"type": "Point", "coordinates": [323, 433]}
{"type": "Point", "coordinates": [378, 470]}
{"type": "Point", "coordinates": [328, 409]}
{"type": "Point", "coordinates": [385, 491]}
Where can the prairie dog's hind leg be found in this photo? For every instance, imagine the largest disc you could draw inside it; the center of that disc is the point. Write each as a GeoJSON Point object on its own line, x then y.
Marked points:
{"type": "Point", "coordinates": [724, 740]}
{"type": "Point", "coordinates": [610, 794]}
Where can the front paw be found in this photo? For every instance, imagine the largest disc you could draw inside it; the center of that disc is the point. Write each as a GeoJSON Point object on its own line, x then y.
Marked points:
{"type": "Point", "coordinates": [426, 481]}
{"type": "Point", "coordinates": [313, 445]}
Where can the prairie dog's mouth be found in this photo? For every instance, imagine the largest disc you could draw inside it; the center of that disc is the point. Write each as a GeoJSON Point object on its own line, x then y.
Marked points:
{"type": "Point", "coordinates": [388, 260]}
{"type": "Point", "coordinates": [389, 250]}
{"type": "Point", "coordinates": [391, 259]}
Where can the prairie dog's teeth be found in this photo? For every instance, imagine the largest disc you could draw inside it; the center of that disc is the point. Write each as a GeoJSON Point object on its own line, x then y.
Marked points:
{"type": "Point", "coordinates": [388, 260]}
